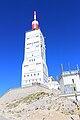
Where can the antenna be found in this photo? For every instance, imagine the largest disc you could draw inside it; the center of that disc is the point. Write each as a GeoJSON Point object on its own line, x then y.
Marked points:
{"type": "Point", "coordinates": [69, 66]}
{"type": "Point", "coordinates": [77, 67]}
{"type": "Point", "coordinates": [62, 68]}
{"type": "Point", "coordinates": [34, 15]}
{"type": "Point", "coordinates": [35, 22]}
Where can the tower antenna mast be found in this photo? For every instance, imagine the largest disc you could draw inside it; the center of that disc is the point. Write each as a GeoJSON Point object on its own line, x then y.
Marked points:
{"type": "Point", "coordinates": [35, 22]}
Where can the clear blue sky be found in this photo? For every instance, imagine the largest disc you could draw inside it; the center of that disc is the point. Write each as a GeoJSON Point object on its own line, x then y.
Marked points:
{"type": "Point", "coordinates": [59, 21]}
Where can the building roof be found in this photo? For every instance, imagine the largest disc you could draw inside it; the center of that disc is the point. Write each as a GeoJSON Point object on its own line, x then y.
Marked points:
{"type": "Point", "coordinates": [69, 73]}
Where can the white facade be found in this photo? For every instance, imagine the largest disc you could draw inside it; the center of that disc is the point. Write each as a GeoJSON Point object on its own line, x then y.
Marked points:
{"type": "Point", "coordinates": [34, 68]}
{"type": "Point", "coordinates": [52, 85]}
{"type": "Point", "coordinates": [65, 81]}
{"type": "Point", "coordinates": [71, 96]}
{"type": "Point", "coordinates": [50, 79]}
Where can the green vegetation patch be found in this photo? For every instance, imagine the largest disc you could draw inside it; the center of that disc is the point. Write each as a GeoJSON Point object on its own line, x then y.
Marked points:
{"type": "Point", "coordinates": [28, 99]}
{"type": "Point", "coordinates": [32, 97]}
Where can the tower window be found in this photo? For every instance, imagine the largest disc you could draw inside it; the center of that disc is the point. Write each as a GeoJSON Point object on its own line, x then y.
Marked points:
{"type": "Point", "coordinates": [27, 48]}
{"type": "Point", "coordinates": [27, 75]}
{"type": "Point", "coordinates": [36, 42]}
{"type": "Point", "coordinates": [37, 36]}
{"type": "Point", "coordinates": [38, 73]}
{"type": "Point", "coordinates": [24, 75]}
{"type": "Point", "coordinates": [37, 46]}
{"type": "Point", "coordinates": [26, 65]}
{"type": "Point", "coordinates": [38, 63]}
{"type": "Point", "coordinates": [34, 74]}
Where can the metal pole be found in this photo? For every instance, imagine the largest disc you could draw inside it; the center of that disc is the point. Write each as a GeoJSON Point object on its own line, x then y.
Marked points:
{"type": "Point", "coordinates": [76, 102]}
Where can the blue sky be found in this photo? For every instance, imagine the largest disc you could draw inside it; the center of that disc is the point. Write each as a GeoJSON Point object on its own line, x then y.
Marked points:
{"type": "Point", "coordinates": [59, 20]}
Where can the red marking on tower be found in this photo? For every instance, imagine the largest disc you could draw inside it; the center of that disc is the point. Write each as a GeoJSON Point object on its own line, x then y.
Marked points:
{"type": "Point", "coordinates": [35, 22]}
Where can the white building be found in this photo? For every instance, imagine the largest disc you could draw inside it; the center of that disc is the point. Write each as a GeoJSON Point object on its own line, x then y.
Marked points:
{"type": "Point", "coordinates": [34, 68]}
{"type": "Point", "coordinates": [65, 81]}
{"type": "Point", "coordinates": [50, 79]}
{"type": "Point", "coordinates": [52, 84]}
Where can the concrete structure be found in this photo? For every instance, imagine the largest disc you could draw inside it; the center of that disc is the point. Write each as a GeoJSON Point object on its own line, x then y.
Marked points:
{"type": "Point", "coordinates": [71, 96]}
{"type": "Point", "coordinates": [34, 68]}
{"type": "Point", "coordinates": [50, 79]}
{"type": "Point", "coordinates": [65, 81]}
{"type": "Point", "coordinates": [52, 85]}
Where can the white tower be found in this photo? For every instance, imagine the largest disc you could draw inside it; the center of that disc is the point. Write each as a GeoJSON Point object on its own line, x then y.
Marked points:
{"type": "Point", "coordinates": [34, 68]}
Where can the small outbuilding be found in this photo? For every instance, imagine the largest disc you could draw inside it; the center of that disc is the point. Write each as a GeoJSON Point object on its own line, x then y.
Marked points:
{"type": "Point", "coordinates": [65, 81]}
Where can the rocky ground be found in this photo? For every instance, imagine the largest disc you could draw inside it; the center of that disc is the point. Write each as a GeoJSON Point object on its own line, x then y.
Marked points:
{"type": "Point", "coordinates": [39, 105]}
{"type": "Point", "coordinates": [2, 118]}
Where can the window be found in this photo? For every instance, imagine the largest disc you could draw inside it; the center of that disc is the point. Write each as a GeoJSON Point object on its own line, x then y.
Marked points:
{"type": "Point", "coordinates": [38, 63]}
{"type": "Point", "coordinates": [38, 73]}
{"type": "Point", "coordinates": [29, 43]}
{"type": "Point", "coordinates": [27, 48]}
{"type": "Point", "coordinates": [27, 75]}
{"type": "Point", "coordinates": [36, 42]}
{"type": "Point", "coordinates": [37, 46]}
{"type": "Point", "coordinates": [29, 60]}
{"type": "Point", "coordinates": [24, 75]}
{"type": "Point", "coordinates": [31, 74]}
{"type": "Point", "coordinates": [26, 65]}
{"type": "Point", "coordinates": [29, 80]}
{"type": "Point", "coordinates": [69, 88]}
{"type": "Point", "coordinates": [37, 35]}
{"type": "Point", "coordinates": [34, 74]}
